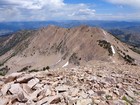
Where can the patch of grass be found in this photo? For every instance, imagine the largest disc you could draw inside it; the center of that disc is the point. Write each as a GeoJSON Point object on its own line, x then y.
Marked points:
{"type": "Point", "coordinates": [127, 100]}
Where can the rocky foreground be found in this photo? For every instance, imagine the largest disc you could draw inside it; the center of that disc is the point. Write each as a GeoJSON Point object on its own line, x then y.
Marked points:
{"type": "Point", "coordinates": [97, 84]}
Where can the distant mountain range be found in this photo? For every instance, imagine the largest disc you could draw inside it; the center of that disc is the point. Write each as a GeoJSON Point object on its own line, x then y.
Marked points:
{"type": "Point", "coordinates": [129, 32]}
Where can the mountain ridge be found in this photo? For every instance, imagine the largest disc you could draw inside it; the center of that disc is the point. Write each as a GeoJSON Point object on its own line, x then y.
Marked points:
{"type": "Point", "coordinates": [59, 47]}
{"type": "Point", "coordinates": [128, 31]}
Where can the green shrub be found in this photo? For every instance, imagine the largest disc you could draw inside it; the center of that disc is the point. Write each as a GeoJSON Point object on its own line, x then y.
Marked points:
{"type": "Point", "coordinates": [4, 70]}
{"type": "Point", "coordinates": [105, 45]}
{"type": "Point", "coordinates": [129, 59]}
{"type": "Point", "coordinates": [33, 70]}
{"type": "Point", "coordinates": [46, 68]}
{"type": "Point", "coordinates": [24, 69]}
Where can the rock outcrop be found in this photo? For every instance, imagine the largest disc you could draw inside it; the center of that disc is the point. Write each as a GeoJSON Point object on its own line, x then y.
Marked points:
{"type": "Point", "coordinates": [101, 83]}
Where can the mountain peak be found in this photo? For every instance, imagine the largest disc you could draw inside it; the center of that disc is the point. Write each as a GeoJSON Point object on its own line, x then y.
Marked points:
{"type": "Point", "coordinates": [60, 47]}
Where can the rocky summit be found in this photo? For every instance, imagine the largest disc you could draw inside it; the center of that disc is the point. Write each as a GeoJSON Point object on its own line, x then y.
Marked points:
{"type": "Point", "coordinates": [99, 83]}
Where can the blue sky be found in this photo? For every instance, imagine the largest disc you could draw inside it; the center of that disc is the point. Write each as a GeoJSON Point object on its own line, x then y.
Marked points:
{"type": "Point", "coordinates": [43, 10]}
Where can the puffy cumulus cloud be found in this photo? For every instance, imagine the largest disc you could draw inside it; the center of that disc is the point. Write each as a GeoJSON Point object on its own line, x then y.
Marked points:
{"type": "Point", "coordinates": [34, 4]}
{"type": "Point", "coordinates": [134, 3]}
{"type": "Point", "coordinates": [25, 10]}
{"type": "Point", "coordinates": [83, 12]}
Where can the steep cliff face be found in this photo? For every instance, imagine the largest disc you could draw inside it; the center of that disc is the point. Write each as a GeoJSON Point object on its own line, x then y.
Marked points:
{"type": "Point", "coordinates": [60, 47]}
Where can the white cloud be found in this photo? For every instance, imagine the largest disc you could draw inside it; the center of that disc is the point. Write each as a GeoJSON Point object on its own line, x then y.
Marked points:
{"type": "Point", "coordinates": [134, 3]}
{"type": "Point", "coordinates": [43, 10]}
{"type": "Point", "coordinates": [118, 16]}
{"type": "Point", "coordinates": [84, 12]}
{"type": "Point", "coordinates": [34, 4]}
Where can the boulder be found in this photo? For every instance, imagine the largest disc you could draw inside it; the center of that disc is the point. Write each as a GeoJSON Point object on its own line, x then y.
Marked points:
{"type": "Point", "coordinates": [32, 82]}
{"type": "Point", "coordinates": [16, 89]}
{"type": "Point", "coordinates": [54, 99]}
{"type": "Point", "coordinates": [62, 88]}
{"type": "Point", "coordinates": [24, 79]}
{"type": "Point", "coordinates": [27, 89]}
{"type": "Point", "coordinates": [84, 102]}
{"type": "Point", "coordinates": [12, 77]}
{"type": "Point", "coordinates": [50, 100]}
{"type": "Point", "coordinates": [5, 88]}
{"type": "Point", "coordinates": [3, 101]}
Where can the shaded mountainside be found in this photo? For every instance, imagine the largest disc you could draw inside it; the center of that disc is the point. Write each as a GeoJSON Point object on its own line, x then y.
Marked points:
{"type": "Point", "coordinates": [130, 35]}
{"type": "Point", "coordinates": [60, 47]}
{"type": "Point", "coordinates": [17, 41]}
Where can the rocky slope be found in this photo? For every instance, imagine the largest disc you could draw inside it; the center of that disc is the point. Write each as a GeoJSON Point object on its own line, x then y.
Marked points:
{"type": "Point", "coordinates": [60, 47]}
{"type": "Point", "coordinates": [101, 83]}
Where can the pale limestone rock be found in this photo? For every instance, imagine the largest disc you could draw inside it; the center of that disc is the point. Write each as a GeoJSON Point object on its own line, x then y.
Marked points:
{"type": "Point", "coordinates": [97, 101]}
{"type": "Point", "coordinates": [0, 93]}
{"type": "Point", "coordinates": [120, 102]}
{"type": "Point", "coordinates": [116, 91]}
{"type": "Point", "coordinates": [5, 88]}
{"type": "Point", "coordinates": [30, 102]}
{"type": "Point", "coordinates": [48, 92]}
{"type": "Point", "coordinates": [84, 102]}
{"type": "Point", "coordinates": [35, 94]}
{"type": "Point", "coordinates": [54, 99]}
{"type": "Point", "coordinates": [42, 101]}
{"type": "Point", "coordinates": [74, 92]}
{"type": "Point", "coordinates": [83, 94]}
{"type": "Point", "coordinates": [50, 100]}
{"type": "Point", "coordinates": [21, 97]}
{"type": "Point", "coordinates": [1, 83]}
{"type": "Point", "coordinates": [91, 92]}
{"type": "Point", "coordinates": [62, 88]}
{"type": "Point", "coordinates": [27, 89]}
{"type": "Point", "coordinates": [18, 103]}
{"type": "Point", "coordinates": [71, 87]}
{"type": "Point", "coordinates": [24, 79]}
{"type": "Point", "coordinates": [130, 93]}
{"type": "Point", "coordinates": [38, 86]}
{"type": "Point", "coordinates": [16, 88]}
{"type": "Point", "coordinates": [119, 85]}
{"type": "Point", "coordinates": [15, 74]}
{"type": "Point", "coordinates": [32, 82]}
{"type": "Point", "coordinates": [3, 101]}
